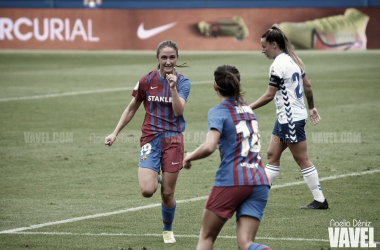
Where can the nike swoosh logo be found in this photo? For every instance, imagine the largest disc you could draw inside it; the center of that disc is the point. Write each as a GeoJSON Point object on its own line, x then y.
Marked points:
{"type": "Point", "coordinates": [145, 34]}
{"type": "Point", "coordinates": [175, 163]}
{"type": "Point", "coordinates": [154, 87]}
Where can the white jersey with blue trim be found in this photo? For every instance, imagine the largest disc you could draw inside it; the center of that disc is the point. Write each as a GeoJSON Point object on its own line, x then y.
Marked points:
{"type": "Point", "coordinates": [286, 75]}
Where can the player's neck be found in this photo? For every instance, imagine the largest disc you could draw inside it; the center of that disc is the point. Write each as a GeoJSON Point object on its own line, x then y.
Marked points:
{"type": "Point", "coordinates": [222, 98]}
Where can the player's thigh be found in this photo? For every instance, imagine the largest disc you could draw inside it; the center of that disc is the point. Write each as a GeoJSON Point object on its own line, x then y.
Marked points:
{"type": "Point", "coordinates": [172, 153]}
{"type": "Point", "coordinates": [276, 147]}
{"type": "Point", "coordinates": [168, 182]}
{"type": "Point", "coordinates": [148, 180]}
{"type": "Point", "coordinates": [246, 229]}
{"type": "Point", "coordinates": [211, 225]}
{"type": "Point", "coordinates": [299, 152]}
{"type": "Point", "coordinates": [150, 155]}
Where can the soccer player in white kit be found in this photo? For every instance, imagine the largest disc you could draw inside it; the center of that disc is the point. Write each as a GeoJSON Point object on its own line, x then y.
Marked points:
{"type": "Point", "coordinates": [287, 84]}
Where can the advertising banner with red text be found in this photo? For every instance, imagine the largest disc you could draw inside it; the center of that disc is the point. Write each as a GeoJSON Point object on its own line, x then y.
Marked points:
{"type": "Point", "coordinates": [191, 29]}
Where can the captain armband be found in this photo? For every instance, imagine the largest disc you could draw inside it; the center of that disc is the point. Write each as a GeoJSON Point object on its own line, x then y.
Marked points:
{"type": "Point", "coordinates": [275, 81]}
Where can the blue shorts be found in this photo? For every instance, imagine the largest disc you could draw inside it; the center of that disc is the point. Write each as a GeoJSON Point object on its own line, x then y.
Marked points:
{"type": "Point", "coordinates": [244, 200]}
{"type": "Point", "coordinates": [290, 132]}
{"type": "Point", "coordinates": [164, 152]}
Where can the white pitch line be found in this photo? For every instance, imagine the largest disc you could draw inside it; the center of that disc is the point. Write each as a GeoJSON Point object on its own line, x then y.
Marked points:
{"type": "Point", "coordinates": [16, 230]}
{"type": "Point", "coordinates": [79, 93]}
{"type": "Point", "coordinates": [158, 235]}
{"type": "Point", "coordinates": [333, 177]}
{"type": "Point", "coordinates": [95, 216]}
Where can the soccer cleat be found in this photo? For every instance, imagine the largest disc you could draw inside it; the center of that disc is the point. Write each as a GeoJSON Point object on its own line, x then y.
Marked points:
{"type": "Point", "coordinates": [168, 237]}
{"type": "Point", "coordinates": [340, 32]}
{"type": "Point", "coordinates": [317, 205]}
{"type": "Point", "coordinates": [225, 27]}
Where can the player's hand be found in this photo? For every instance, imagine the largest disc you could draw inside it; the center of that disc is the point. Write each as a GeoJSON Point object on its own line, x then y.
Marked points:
{"type": "Point", "coordinates": [186, 163]}
{"type": "Point", "coordinates": [110, 139]}
{"type": "Point", "coordinates": [314, 116]}
{"type": "Point", "coordinates": [172, 79]}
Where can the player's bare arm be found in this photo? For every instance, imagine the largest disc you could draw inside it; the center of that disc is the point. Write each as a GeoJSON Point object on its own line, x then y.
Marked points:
{"type": "Point", "coordinates": [265, 98]}
{"type": "Point", "coordinates": [313, 112]}
{"type": "Point", "coordinates": [125, 118]}
{"type": "Point", "coordinates": [204, 150]}
{"type": "Point", "coordinates": [178, 103]}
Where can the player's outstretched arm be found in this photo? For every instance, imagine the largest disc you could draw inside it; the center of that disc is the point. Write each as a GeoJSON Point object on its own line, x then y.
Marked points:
{"type": "Point", "coordinates": [204, 150]}
{"type": "Point", "coordinates": [125, 118]}
{"type": "Point", "coordinates": [313, 112]}
{"type": "Point", "coordinates": [265, 98]}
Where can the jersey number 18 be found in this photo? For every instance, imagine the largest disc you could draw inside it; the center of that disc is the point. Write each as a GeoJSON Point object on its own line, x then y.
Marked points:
{"type": "Point", "coordinates": [255, 146]}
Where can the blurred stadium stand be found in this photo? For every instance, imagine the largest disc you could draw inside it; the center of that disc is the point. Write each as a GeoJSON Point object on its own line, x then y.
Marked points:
{"type": "Point", "coordinates": [188, 4]}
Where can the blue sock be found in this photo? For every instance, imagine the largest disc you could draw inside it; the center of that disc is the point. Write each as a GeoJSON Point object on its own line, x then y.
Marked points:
{"type": "Point", "coordinates": [255, 246]}
{"type": "Point", "coordinates": [168, 217]}
{"type": "Point", "coordinates": [159, 179]}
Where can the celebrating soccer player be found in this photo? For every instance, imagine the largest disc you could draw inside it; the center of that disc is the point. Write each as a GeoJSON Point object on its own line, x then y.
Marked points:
{"type": "Point", "coordinates": [164, 93]}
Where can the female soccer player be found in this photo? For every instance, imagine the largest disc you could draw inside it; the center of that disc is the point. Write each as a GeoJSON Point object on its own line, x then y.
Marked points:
{"type": "Point", "coordinates": [164, 93]}
{"type": "Point", "coordinates": [287, 84]}
{"type": "Point", "coordinates": [241, 184]}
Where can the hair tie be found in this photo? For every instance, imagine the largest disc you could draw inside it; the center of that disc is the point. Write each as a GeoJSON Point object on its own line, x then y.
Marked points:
{"type": "Point", "coordinates": [218, 86]}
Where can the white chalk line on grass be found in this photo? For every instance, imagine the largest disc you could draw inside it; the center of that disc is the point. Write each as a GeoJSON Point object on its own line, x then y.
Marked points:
{"type": "Point", "coordinates": [17, 230]}
{"type": "Point", "coordinates": [79, 93]}
{"type": "Point", "coordinates": [160, 235]}
{"type": "Point", "coordinates": [95, 216]}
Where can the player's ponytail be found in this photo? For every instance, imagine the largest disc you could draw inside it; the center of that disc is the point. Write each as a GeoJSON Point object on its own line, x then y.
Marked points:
{"type": "Point", "coordinates": [275, 34]}
{"type": "Point", "coordinates": [227, 80]}
{"type": "Point", "coordinates": [172, 45]}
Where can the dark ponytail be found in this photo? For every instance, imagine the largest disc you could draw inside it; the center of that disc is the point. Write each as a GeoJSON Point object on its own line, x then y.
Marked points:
{"type": "Point", "coordinates": [275, 34]}
{"type": "Point", "coordinates": [227, 80]}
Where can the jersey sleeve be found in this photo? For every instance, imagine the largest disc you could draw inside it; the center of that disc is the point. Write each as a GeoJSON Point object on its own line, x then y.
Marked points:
{"type": "Point", "coordinates": [139, 90]}
{"type": "Point", "coordinates": [215, 119]}
{"type": "Point", "coordinates": [276, 75]}
{"type": "Point", "coordinates": [183, 87]}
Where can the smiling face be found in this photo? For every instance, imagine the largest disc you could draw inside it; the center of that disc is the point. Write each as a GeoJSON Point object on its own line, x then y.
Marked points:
{"type": "Point", "coordinates": [269, 49]}
{"type": "Point", "coordinates": [167, 59]}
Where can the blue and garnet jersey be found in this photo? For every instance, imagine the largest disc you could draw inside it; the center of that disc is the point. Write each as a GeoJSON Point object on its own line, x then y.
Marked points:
{"type": "Point", "coordinates": [239, 145]}
{"type": "Point", "coordinates": [154, 91]}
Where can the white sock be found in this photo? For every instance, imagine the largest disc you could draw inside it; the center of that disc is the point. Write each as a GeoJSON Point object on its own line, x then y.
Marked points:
{"type": "Point", "coordinates": [272, 172]}
{"type": "Point", "coordinates": [311, 177]}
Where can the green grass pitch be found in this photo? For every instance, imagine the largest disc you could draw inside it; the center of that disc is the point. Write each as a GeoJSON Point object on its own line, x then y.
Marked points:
{"type": "Point", "coordinates": [74, 99]}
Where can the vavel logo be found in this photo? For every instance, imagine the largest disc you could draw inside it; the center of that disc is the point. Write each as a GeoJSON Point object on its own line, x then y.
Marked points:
{"type": "Point", "coordinates": [360, 234]}
{"type": "Point", "coordinates": [24, 29]}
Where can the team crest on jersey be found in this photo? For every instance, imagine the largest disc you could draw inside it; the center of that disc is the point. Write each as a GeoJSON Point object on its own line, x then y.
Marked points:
{"type": "Point", "coordinates": [144, 157]}
{"type": "Point", "coordinates": [272, 72]}
{"type": "Point", "coordinates": [137, 86]}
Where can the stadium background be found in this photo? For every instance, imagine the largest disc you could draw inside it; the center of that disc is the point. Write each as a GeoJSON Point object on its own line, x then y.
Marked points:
{"type": "Point", "coordinates": [75, 193]}
{"type": "Point", "coordinates": [114, 25]}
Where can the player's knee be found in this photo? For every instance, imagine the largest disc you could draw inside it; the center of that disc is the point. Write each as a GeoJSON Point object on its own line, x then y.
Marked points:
{"type": "Point", "coordinates": [243, 244]}
{"type": "Point", "coordinates": [271, 155]}
{"type": "Point", "coordinates": [167, 194]}
{"type": "Point", "coordinates": [147, 193]}
{"type": "Point", "coordinates": [301, 160]}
